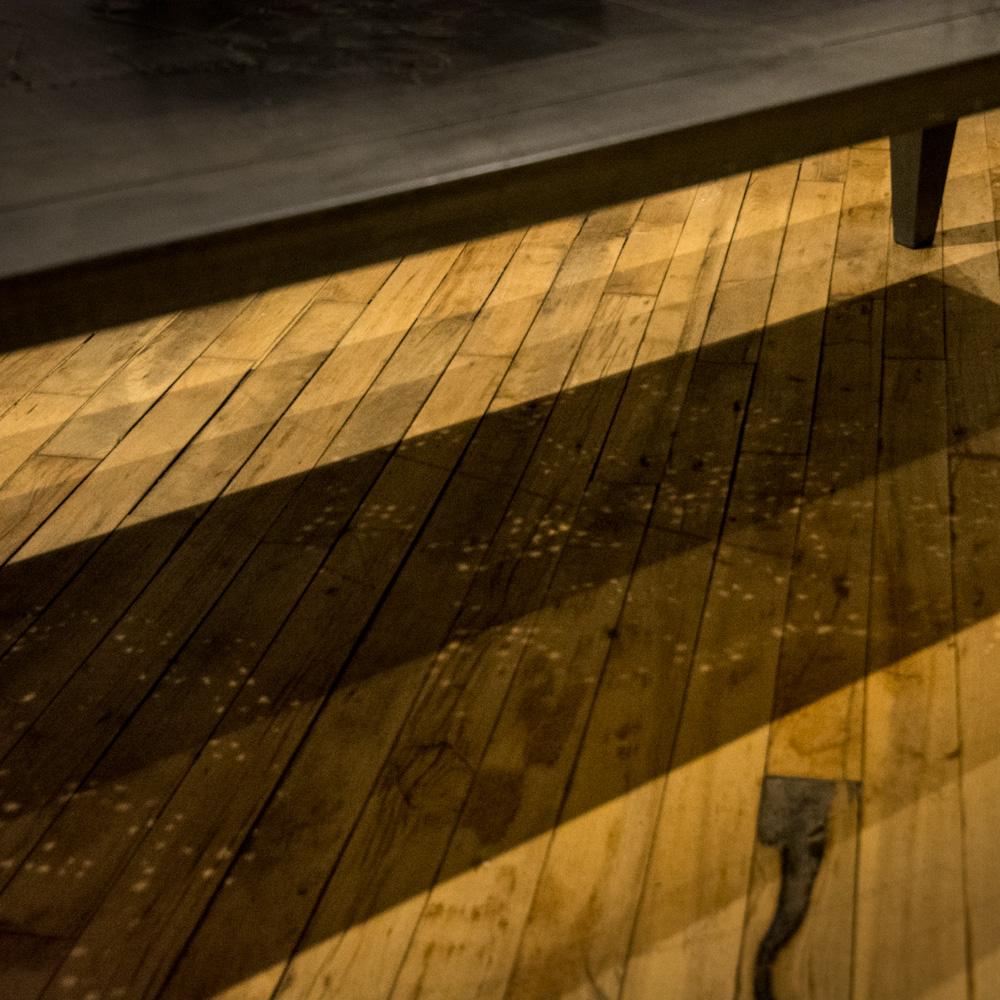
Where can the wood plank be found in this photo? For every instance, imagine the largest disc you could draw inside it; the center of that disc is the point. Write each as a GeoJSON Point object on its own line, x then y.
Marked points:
{"type": "Point", "coordinates": [991, 122]}
{"type": "Point", "coordinates": [915, 296]}
{"type": "Point", "coordinates": [501, 324]}
{"type": "Point", "coordinates": [315, 334]}
{"type": "Point", "coordinates": [468, 385]}
{"type": "Point", "coordinates": [22, 369]}
{"type": "Point", "coordinates": [859, 269]}
{"type": "Point", "coordinates": [684, 303]}
{"type": "Point", "coordinates": [537, 371]}
{"type": "Point", "coordinates": [293, 697]}
{"type": "Point", "coordinates": [457, 708]}
{"type": "Point", "coordinates": [101, 356]}
{"type": "Point", "coordinates": [576, 936]}
{"type": "Point", "coordinates": [199, 972]}
{"type": "Point", "coordinates": [100, 826]}
{"type": "Point", "coordinates": [594, 957]}
{"type": "Point", "coordinates": [26, 962]}
{"type": "Point", "coordinates": [507, 435]}
{"type": "Point", "coordinates": [205, 967]}
{"type": "Point", "coordinates": [359, 284]}
{"type": "Point", "coordinates": [28, 424]}
{"type": "Point", "coordinates": [740, 306]}
{"type": "Point", "coordinates": [974, 491]}
{"type": "Point", "coordinates": [295, 546]}
{"type": "Point", "coordinates": [829, 166]}
{"type": "Point", "coordinates": [120, 481]}
{"type": "Point", "coordinates": [651, 243]}
{"type": "Point", "coordinates": [911, 923]}
{"type": "Point", "coordinates": [198, 830]}
{"type": "Point", "coordinates": [637, 453]}
{"type": "Point", "coordinates": [972, 296]}
{"type": "Point", "coordinates": [975, 609]}
{"type": "Point", "coordinates": [44, 564]}
{"type": "Point", "coordinates": [780, 412]}
{"type": "Point", "coordinates": [120, 403]}
{"type": "Point", "coordinates": [265, 318]}
{"type": "Point", "coordinates": [360, 342]}
{"type": "Point", "coordinates": [181, 593]}
{"type": "Point", "coordinates": [917, 293]}
{"type": "Point", "coordinates": [33, 492]}
{"type": "Point", "coordinates": [595, 864]}
{"type": "Point", "coordinates": [292, 447]}
{"type": "Point", "coordinates": [690, 918]}
{"type": "Point", "coordinates": [382, 417]}
{"type": "Point", "coordinates": [819, 698]}
{"type": "Point", "coordinates": [465, 943]}
{"type": "Point", "coordinates": [317, 639]}
{"type": "Point", "coordinates": [354, 942]}
{"type": "Point", "coordinates": [696, 483]}
{"type": "Point", "coordinates": [103, 683]}
{"type": "Point", "coordinates": [817, 730]}
{"type": "Point", "coordinates": [131, 558]}
{"type": "Point", "coordinates": [581, 418]}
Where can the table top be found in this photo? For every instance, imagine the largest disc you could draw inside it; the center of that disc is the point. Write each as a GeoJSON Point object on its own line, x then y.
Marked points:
{"type": "Point", "coordinates": [131, 124]}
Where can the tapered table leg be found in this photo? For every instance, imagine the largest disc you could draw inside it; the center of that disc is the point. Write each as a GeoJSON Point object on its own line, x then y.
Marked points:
{"type": "Point", "coordinates": [919, 167]}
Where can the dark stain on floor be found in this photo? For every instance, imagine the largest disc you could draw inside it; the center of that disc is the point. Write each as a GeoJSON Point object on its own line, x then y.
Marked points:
{"type": "Point", "coordinates": [794, 818]}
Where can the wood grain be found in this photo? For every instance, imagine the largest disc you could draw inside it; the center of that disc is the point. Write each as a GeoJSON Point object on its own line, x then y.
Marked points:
{"type": "Point", "coordinates": [433, 629]}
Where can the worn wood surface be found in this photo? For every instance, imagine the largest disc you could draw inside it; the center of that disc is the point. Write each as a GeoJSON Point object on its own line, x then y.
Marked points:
{"type": "Point", "coordinates": [605, 608]}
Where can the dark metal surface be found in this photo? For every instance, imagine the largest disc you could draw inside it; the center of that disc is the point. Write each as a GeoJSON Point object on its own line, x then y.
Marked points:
{"type": "Point", "coordinates": [130, 125]}
{"type": "Point", "coordinates": [919, 171]}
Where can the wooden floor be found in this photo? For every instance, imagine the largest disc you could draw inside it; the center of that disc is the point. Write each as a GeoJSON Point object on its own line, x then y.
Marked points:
{"type": "Point", "coordinates": [573, 613]}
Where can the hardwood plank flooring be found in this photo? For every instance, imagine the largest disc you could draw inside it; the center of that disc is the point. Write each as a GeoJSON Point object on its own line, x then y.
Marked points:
{"type": "Point", "coordinates": [602, 610]}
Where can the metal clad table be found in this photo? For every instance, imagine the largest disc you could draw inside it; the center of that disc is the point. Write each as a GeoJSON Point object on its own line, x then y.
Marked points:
{"type": "Point", "coordinates": [158, 153]}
